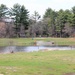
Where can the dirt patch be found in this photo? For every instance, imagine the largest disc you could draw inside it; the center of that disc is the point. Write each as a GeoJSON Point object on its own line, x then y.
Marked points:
{"type": "Point", "coordinates": [69, 74]}
{"type": "Point", "coordinates": [72, 39]}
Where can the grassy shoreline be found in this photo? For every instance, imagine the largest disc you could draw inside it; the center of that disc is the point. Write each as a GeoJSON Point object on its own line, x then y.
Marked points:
{"type": "Point", "coordinates": [38, 63]}
{"type": "Point", "coordinates": [29, 41]}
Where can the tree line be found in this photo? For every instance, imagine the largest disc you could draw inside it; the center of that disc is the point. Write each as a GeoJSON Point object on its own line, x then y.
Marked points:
{"type": "Point", "coordinates": [53, 24]}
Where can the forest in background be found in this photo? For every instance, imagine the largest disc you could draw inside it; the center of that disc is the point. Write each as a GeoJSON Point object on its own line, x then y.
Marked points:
{"type": "Point", "coordinates": [16, 22]}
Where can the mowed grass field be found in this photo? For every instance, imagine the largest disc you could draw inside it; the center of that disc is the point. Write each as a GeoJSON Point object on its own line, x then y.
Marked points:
{"type": "Point", "coordinates": [38, 63]}
{"type": "Point", "coordinates": [29, 41]}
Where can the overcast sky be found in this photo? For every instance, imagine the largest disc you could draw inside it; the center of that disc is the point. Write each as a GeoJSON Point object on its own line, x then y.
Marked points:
{"type": "Point", "coordinates": [41, 5]}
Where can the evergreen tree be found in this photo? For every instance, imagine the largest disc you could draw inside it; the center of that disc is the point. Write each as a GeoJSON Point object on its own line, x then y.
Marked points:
{"type": "Point", "coordinates": [21, 17]}
{"type": "Point", "coordinates": [3, 10]}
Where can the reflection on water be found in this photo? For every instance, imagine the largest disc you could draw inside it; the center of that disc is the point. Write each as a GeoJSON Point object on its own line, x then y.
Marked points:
{"type": "Point", "coordinates": [9, 49]}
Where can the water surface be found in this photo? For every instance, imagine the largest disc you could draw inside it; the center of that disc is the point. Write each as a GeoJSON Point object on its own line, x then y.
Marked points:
{"type": "Point", "coordinates": [10, 49]}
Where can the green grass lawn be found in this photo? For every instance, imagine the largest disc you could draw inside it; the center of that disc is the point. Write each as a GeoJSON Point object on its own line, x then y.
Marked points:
{"type": "Point", "coordinates": [29, 41]}
{"type": "Point", "coordinates": [38, 63]}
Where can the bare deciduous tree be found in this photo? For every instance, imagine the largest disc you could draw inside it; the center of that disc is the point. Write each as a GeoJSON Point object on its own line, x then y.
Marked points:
{"type": "Point", "coordinates": [2, 29]}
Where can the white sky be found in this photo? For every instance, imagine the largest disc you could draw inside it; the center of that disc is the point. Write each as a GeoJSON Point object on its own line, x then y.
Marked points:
{"type": "Point", "coordinates": [41, 5]}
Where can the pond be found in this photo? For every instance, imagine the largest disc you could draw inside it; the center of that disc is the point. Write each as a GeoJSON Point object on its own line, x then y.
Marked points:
{"type": "Point", "coordinates": [11, 49]}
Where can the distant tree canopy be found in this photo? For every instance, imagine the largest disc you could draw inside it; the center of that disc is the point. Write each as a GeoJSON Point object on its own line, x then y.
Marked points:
{"type": "Point", "coordinates": [54, 23]}
{"type": "Point", "coordinates": [62, 22]}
